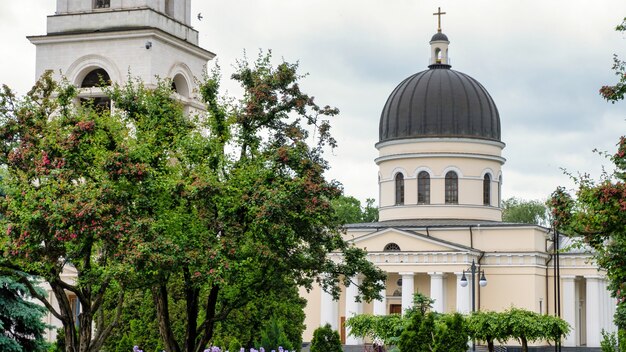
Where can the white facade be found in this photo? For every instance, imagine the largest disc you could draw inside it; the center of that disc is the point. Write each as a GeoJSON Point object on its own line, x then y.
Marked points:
{"type": "Point", "coordinates": [130, 38]}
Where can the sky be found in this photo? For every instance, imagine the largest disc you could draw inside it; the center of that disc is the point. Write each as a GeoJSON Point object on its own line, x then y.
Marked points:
{"type": "Point", "coordinates": [542, 62]}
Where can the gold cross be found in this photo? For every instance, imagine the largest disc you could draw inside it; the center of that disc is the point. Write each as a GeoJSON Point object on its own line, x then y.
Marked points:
{"type": "Point", "coordinates": [438, 14]}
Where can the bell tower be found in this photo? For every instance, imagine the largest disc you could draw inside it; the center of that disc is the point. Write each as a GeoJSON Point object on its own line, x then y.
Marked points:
{"type": "Point", "coordinates": [115, 38]}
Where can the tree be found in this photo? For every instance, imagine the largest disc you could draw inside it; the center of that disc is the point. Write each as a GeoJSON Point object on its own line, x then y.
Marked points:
{"type": "Point", "coordinates": [325, 339]}
{"type": "Point", "coordinates": [65, 205]}
{"type": "Point", "coordinates": [524, 211]}
{"type": "Point", "coordinates": [487, 326]}
{"type": "Point", "coordinates": [236, 205]}
{"type": "Point", "coordinates": [387, 328]}
{"type": "Point", "coordinates": [350, 211]}
{"type": "Point", "coordinates": [208, 213]}
{"type": "Point", "coordinates": [21, 321]}
{"type": "Point", "coordinates": [526, 326]}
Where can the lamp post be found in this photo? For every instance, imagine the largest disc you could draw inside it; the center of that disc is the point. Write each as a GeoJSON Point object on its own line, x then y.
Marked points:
{"type": "Point", "coordinates": [482, 282]}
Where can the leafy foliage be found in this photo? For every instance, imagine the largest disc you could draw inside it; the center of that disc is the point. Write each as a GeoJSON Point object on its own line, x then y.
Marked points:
{"type": "Point", "coordinates": [350, 211]}
{"type": "Point", "coordinates": [273, 336]}
{"type": "Point", "coordinates": [609, 342]}
{"type": "Point", "coordinates": [388, 328]}
{"type": "Point", "coordinates": [524, 211]}
{"type": "Point", "coordinates": [21, 324]}
{"type": "Point", "coordinates": [65, 204]}
{"type": "Point", "coordinates": [325, 339]}
{"type": "Point", "coordinates": [488, 327]}
{"type": "Point", "coordinates": [428, 331]}
{"type": "Point", "coordinates": [616, 92]}
{"type": "Point", "coordinates": [208, 213]}
{"type": "Point", "coordinates": [527, 326]}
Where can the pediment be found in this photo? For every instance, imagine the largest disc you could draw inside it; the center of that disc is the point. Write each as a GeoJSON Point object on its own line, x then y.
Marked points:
{"type": "Point", "coordinates": [408, 241]}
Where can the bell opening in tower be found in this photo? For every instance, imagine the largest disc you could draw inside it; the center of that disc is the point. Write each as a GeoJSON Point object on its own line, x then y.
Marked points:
{"type": "Point", "coordinates": [101, 4]}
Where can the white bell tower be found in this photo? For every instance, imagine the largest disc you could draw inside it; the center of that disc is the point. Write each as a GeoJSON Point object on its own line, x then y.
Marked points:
{"type": "Point", "coordinates": [114, 38]}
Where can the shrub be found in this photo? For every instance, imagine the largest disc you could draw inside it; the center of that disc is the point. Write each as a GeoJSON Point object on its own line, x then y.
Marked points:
{"type": "Point", "coordinates": [325, 339]}
{"type": "Point", "coordinates": [234, 345]}
{"type": "Point", "coordinates": [609, 342]}
{"type": "Point", "coordinates": [273, 336]}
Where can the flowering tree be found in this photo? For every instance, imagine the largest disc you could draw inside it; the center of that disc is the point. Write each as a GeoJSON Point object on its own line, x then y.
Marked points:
{"type": "Point", "coordinates": [235, 205]}
{"type": "Point", "coordinates": [64, 206]}
{"type": "Point", "coordinates": [209, 211]}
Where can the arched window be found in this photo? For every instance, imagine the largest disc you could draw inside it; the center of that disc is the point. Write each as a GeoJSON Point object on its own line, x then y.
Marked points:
{"type": "Point", "coordinates": [487, 190]}
{"type": "Point", "coordinates": [392, 247]}
{"type": "Point", "coordinates": [180, 86]}
{"type": "Point", "coordinates": [97, 78]}
{"type": "Point", "coordinates": [423, 188]}
{"type": "Point", "coordinates": [399, 189]}
{"type": "Point", "coordinates": [452, 188]}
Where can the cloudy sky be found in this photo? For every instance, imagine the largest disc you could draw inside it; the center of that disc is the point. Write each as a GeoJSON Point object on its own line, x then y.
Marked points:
{"type": "Point", "coordinates": [542, 62]}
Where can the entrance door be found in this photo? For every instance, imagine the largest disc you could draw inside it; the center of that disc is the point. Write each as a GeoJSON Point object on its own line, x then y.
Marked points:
{"type": "Point", "coordinates": [395, 309]}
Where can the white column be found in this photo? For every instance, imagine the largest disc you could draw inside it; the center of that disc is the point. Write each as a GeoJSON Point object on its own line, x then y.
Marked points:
{"type": "Point", "coordinates": [462, 295]}
{"type": "Point", "coordinates": [380, 305]}
{"type": "Point", "coordinates": [329, 311]}
{"type": "Point", "coordinates": [408, 288]}
{"type": "Point", "coordinates": [593, 311]}
{"type": "Point", "coordinates": [436, 291]}
{"type": "Point", "coordinates": [353, 308]}
{"type": "Point", "coordinates": [569, 304]}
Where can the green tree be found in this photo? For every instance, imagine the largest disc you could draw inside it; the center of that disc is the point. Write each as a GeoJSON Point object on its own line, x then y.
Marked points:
{"type": "Point", "coordinates": [64, 205]}
{"type": "Point", "coordinates": [451, 333]}
{"type": "Point", "coordinates": [235, 205]}
{"type": "Point", "coordinates": [388, 328]}
{"type": "Point", "coordinates": [350, 211]}
{"type": "Point", "coordinates": [284, 303]}
{"type": "Point", "coordinates": [325, 339]}
{"type": "Point", "coordinates": [524, 211]}
{"type": "Point", "coordinates": [21, 321]}
{"type": "Point", "coordinates": [273, 336]}
{"type": "Point", "coordinates": [488, 327]}
{"type": "Point", "coordinates": [526, 326]}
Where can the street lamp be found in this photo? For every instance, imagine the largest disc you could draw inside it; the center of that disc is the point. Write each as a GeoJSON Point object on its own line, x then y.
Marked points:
{"type": "Point", "coordinates": [482, 282]}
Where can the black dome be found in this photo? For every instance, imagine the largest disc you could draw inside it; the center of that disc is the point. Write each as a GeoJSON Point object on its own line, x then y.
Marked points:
{"type": "Point", "coordinates": [439, 36]}
{"type": "Point", "coordinates": [439, 102]}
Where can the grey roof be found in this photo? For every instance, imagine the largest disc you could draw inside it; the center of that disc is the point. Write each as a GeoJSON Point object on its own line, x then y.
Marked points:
{"type": "Point", "coordinates": [439, 102]}
{"type": "Point", "coordinates": [439, 37]}
{"type": "Point", "coordinates": [434, 223]}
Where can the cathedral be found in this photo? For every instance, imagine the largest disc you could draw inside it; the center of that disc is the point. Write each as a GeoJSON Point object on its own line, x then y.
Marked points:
{"type": "Point", "coordinates": [440, 171]}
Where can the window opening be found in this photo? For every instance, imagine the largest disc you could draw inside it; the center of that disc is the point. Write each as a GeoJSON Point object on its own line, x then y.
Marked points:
{"type": "Point", "coordinates": [423, 188]}
{"type": "Point", "coordinates": [96, 78]}
{"type": "Point", "coordinates": [452, 188]}
{"type": "Point", "coordinates": [392, 247]}
{"type": "Point", "coordinates": [487, 190]}
{"type": "Point", "coordinates": [101, 4]}
{"type": "Point", "coordinates": [399, 189]}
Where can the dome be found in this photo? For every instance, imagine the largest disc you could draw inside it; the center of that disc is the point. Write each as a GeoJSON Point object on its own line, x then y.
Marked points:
{"type": "Point", "coordinates": [439, 102]}
{"type": "Point", "coordinates": [439, 37]}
